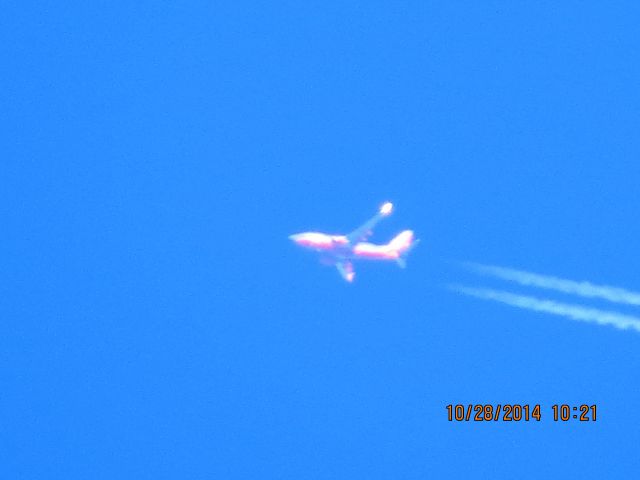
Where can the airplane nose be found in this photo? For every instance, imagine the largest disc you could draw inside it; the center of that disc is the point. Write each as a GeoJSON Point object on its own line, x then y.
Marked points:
{"type": "Point", "coordinates": [294, 237]}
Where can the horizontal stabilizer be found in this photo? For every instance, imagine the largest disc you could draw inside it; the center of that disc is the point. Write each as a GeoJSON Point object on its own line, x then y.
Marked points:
{"type": "Point", "coordinates": [402, 259]}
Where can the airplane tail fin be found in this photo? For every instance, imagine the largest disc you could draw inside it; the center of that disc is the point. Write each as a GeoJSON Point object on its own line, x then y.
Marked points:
{"type": "Point", "coordinates": [402, 244]}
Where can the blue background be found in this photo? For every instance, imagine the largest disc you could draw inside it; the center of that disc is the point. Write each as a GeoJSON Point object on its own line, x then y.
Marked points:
{"type": "Point", "coordinates": [157, 322]}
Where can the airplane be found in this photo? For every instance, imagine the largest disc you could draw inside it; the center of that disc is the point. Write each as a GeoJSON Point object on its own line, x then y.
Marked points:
{"type": "Point", "coordinates": [342, 250]}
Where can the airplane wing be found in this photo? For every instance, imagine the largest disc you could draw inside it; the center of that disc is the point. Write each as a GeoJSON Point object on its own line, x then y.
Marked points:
{"type": "Point", "coordinates": [364, 230]}
{"type": "Point", "coordinates": [346, 270]}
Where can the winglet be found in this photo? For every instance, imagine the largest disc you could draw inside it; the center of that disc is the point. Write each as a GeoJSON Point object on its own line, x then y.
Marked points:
{"type": "Point", "coordinates": [346, 270]}
{"type": "Point", "coordinates": [386, 209]}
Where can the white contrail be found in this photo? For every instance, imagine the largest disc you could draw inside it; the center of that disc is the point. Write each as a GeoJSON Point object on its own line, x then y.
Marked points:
{"type": "Point", "coordinates": [575, 312]}
{"type": "Point", "coordinates": [583, 289]}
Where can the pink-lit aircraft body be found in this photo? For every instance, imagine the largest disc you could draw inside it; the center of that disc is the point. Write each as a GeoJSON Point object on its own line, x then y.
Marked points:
{"type": "Point", "coordinates": [342, 250]}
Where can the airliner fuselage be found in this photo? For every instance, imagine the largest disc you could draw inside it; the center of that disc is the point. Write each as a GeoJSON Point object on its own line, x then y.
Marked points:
{"type": "Point", "coordinates": [342, 250]}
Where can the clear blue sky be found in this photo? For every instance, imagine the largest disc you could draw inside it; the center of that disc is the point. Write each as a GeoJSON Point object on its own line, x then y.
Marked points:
{"type": "Point", "coordinates": [156, 320]}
